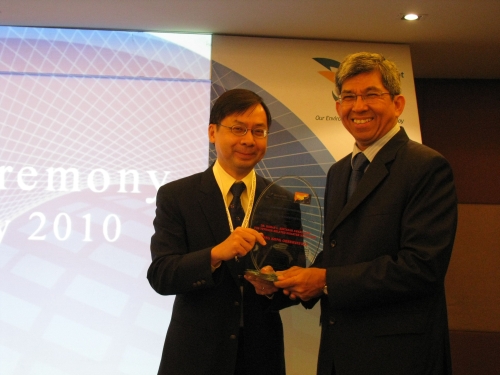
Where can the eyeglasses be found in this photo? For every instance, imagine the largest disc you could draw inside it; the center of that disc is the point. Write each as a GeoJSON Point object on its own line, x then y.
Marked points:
{"type": "Point", "coordinates": [241, 130]}
{"type": "Point", "coordinates": [370, 98]}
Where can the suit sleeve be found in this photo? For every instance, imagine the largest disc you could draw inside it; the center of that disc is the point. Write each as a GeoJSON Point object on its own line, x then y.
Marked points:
{"type": "Point", "coordinates": [176, 268]}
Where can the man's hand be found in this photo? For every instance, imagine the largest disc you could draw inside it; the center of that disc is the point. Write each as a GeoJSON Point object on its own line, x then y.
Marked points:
{"type": "Point", "coordinates": [238, 244]}
{"type": "Point", "coordinates": [303, 283]}
{"type": "Point", "coordinates": [262, 287]}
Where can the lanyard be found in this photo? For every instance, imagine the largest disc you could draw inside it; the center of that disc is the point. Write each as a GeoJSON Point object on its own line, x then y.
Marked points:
{"type": "Point", "coordinates": [248, 211]}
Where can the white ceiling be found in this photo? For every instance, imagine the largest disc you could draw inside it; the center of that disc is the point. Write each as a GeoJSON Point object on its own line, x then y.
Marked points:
{"type": "Point", "coordinates": [455, 39]}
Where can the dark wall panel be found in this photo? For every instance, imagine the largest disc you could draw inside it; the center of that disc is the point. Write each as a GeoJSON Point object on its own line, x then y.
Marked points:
{"type": "Point", "coordinates": [461, 120]}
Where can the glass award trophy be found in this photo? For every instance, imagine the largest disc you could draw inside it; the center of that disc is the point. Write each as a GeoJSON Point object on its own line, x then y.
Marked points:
{"type": "Point", "coordinates": [288, 213]}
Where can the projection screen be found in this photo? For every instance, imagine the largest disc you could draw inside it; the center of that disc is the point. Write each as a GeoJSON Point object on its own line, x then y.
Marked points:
{"type": "Point", "coordinates": [92, 123]}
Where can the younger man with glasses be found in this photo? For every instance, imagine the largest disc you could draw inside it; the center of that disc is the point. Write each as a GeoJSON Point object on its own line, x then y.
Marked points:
{"type": "Point", "coordinates": [220, 323]}
{"type": "Point", "coordinates": [388, 238]}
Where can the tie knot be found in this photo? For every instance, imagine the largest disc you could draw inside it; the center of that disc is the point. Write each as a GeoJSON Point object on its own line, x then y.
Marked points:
{"type": "Point", "coordinates": [237, 189]}
{"type": "Point", "coordinates": [359, 162]}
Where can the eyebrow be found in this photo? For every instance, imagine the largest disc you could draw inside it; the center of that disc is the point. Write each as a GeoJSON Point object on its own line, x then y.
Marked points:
{"type": "Point", "coordinates": [236, 122]}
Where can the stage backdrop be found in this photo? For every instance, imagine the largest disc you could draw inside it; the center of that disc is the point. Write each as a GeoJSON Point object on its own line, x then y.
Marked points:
{"type": "Point", "coordinates": [91, 124]}
{"type": "Point", "coordinates": [296, 79]}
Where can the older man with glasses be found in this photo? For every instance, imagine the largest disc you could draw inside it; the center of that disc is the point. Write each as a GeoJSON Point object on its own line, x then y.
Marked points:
{"type": "Point", "coordinates": [390, 222]}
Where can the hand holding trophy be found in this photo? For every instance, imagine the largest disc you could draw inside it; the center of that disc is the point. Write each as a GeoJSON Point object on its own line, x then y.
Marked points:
{"type": "Point", "coordinates": [288, 213]}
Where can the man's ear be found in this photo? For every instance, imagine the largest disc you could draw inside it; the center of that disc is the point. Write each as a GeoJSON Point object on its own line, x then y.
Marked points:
{"type": "Point", "coordinates": [399, 104]}
{"type": "Point", "coordinates": [212, 129]}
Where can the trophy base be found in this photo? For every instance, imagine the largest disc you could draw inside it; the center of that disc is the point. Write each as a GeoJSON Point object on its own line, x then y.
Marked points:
{"type": "Point", "coordinates": [264, 276]}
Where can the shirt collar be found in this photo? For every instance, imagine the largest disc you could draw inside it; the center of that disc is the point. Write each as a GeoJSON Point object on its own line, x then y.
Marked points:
{"type": "Point", "coordinates": [225, 181]}
{"type": "Point", "coordinates": [372, 150]}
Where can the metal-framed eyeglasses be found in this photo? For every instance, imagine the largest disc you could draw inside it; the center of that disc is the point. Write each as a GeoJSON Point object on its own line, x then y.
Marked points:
{"type": "Point", "coordinates": [370, 98]}
{"type": "Point", "coordinates": [241, 130]}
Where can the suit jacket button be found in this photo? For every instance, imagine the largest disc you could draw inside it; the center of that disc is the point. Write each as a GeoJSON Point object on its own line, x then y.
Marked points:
{"type": "Point", "coordinates": [331, 321]}
{"type": "Point", "coordinates": [236, 303]}
{"type": "Point", "coordinates": [232, 337]}
{"type": "Point", "coordinates": [333, 243]}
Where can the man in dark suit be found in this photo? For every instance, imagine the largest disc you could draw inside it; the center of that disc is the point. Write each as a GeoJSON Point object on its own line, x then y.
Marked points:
{"type": "Point", "coordinates": [221, 324]}
{"type": "Point", "coordinates": [380, 277]}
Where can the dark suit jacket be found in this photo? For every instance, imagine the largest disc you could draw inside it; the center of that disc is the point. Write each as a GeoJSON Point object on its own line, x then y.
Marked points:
{"type": "Point", "coordinates": [386, 252]}
{"type": "Point", "coordinates": [203, 334]}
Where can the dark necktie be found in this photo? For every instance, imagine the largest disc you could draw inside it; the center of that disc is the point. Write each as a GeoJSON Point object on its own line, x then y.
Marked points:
{"type": "Point", "coordinates": [235, 208]}
{"type": "Point", "coordinates": [359, 165]}
{"type": "Point", "coordinates": [237, 215]}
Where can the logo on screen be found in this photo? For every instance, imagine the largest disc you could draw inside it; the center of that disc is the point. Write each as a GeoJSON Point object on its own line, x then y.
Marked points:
{"type": "Point", "coordinates": [328, 74]}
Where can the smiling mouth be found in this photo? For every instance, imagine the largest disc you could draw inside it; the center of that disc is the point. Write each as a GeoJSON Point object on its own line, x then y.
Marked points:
{"type": "Point", "coordinates": [361, 121]}
{"type": "Point", "coordinates": [245, 155]}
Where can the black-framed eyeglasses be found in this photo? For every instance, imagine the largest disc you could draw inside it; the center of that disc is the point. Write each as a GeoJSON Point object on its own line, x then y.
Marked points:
{"type": "Point", "coordinates": [370, 98]}
{"type": "Point", "coordinates": [241, 130]}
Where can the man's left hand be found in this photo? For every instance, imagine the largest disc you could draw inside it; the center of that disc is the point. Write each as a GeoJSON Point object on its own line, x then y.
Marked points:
{"type": "Point", "coordinates": [262, 287]}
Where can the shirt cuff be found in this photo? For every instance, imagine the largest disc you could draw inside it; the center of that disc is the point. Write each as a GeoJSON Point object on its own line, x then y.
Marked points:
{"type": "Point", "coordinates": [215, 267]}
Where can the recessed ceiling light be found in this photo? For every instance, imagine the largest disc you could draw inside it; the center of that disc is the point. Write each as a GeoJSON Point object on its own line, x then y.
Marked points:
{"type": "Point", "coordinates": [411, 17]}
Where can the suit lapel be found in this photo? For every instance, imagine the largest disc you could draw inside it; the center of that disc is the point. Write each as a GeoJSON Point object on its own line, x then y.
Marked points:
{"type": "Point", "coordinates": [261, 185]}
{"type": "Point", "coordinates": [374, 175]}
{"type": "Point", "coordinates": [337, 193]}
{"type": "Point", "coordinates": [212, 205]}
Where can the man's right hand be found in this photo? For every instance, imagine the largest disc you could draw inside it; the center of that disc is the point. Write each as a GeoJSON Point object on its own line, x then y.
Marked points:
{"type": "Point", "coordinates": [303, 283]}
{"type": "Point", "coordinates": [238, 244]}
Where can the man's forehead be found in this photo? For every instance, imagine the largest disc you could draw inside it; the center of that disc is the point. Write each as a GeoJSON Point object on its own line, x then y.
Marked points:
{"type": "Point", "coordinates": [365, 81]}
{"type": "Point", "coordinates": [368, 88]}
{"type": "Point", "coordinates": [246, 117]}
